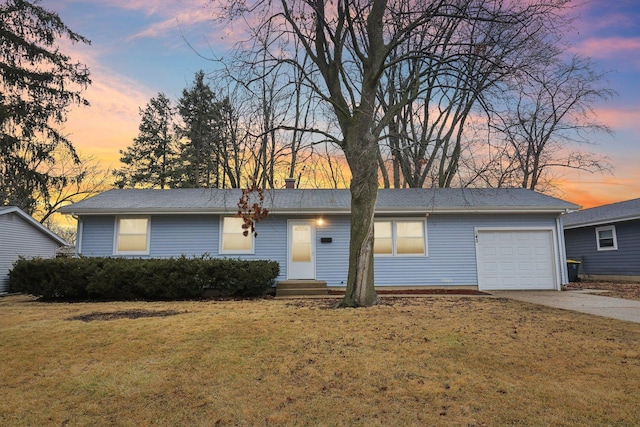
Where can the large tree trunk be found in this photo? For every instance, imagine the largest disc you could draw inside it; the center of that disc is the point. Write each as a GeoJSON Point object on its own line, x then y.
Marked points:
{"type": "Point", "coordinates": [362, 158]}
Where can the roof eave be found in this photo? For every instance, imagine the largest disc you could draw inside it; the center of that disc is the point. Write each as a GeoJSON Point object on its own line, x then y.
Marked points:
{"type": "Point", "coordinates": [602, 221]}
{"type": "Point", "coordinates": [317, 211]}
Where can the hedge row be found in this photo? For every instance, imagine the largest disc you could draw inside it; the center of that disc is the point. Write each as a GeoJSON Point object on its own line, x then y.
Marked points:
{"type": "Point", "coordinates": [147, 279]}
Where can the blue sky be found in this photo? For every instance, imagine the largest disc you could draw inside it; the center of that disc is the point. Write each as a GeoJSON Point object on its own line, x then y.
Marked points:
{"type": "Point", "coordinates": [141, 47]}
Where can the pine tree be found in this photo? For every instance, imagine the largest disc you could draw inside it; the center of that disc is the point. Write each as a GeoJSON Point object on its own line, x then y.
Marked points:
{"type": "Point", "coordinates": [38, 83]}
{"type": "Point", "coordinates": [200, 152]}
{"type": "Point", "coordinates": [150, 161]}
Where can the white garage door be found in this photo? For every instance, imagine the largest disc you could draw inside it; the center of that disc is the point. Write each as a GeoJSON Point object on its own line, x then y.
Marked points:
{"type": "Point", "coordinates": [515, 259]}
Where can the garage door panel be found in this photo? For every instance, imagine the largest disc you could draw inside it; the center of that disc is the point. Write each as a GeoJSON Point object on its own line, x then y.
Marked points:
{"type": "Point", "coordinates": [524, 251]}
{"type": "Point", "coordinates": [490, 251]}
{"type": "Point", "coordinates": [525, 267]}
{"type": "Point", "coordinates": [507, 268]}
{"type": "Point", "coordinates": [518, 259]}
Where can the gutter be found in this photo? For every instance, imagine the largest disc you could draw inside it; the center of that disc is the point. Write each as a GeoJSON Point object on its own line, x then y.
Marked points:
{"type": "Point", "coordinates": [321, 211]}
{"type": "Point", "coordinates": [79, 230]}
{"type": "Point", "coordinates": [562, 252]}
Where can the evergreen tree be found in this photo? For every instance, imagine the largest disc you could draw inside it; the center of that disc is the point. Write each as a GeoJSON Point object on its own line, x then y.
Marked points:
{"type": "Point", "coordinates": [37, 85]}
{"type": "Point", "coordinates": [200, 154]}
{"type": "Point", "coordinates": [150, 161]}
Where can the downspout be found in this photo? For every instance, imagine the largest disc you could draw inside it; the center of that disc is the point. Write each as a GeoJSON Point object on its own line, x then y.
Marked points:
{"type": "Point", "coordinates": [562, 251]}
{"type": "Point", "coordinates": [78, 235]}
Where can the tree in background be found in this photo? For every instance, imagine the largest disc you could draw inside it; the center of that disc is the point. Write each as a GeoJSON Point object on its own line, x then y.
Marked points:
{"type": "Point", "coordinates": [201, 145]}
{"type": "Point", "coordinates": [151, 160]}
{"type": "Point", "coordinates": [476, 60]}
{"type": "Point", "coordinates": [38, 83]}
{"type": "Point", "coordinates": [274, 112]}
{"type": "Point", "coordinates": [544, 120]}
{"type": "Point", "coordinates": [78, 181]}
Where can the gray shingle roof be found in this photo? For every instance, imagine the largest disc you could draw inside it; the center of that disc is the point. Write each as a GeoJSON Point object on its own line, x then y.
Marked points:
{"type": "Point", "coordinates": [615, 212]}
{"type": "Point", "coordinates": [318, 201]}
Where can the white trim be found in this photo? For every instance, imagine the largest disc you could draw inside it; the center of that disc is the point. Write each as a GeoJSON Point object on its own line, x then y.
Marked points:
{"type": "Point", "coordinates": [562, 252]}
{"type": "Point", "coordinates": [611, 228]}
{"type": "Point", "coordinates": [221, 250]}
{"type": "Point", "coordinates": [554, 247]}
{"type": "Point", "coordinates": [393, 221]}
{"type": "Point", "coordinates": [79, 232]}
{"type": "Point", "coordinates": [116, 230]}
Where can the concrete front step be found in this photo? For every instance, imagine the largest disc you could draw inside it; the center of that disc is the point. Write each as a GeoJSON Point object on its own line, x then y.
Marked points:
{"type": "Point", "coordinates": [301, 288]}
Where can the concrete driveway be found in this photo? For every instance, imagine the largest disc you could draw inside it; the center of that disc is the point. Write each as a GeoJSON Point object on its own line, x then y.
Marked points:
{"type": "Point", "coordinates": [581, 301]}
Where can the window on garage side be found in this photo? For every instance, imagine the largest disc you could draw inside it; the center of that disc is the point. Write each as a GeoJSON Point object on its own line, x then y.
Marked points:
{"type": "Point", "coordinates": [233, 240]}
{"type": "Point", "coordinates": [132, 236]}
{"type": "Point", "coordinates": [606, 238]}
{"type": "Point", "coordinates": [399, 237]}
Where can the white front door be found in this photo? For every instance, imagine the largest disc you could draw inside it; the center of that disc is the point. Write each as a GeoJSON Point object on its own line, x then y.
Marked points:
{"type": "Point", "coordinates": [302, 250]}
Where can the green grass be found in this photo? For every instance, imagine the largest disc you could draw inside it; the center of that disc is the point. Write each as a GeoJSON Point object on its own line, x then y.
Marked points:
{"type": "Point", "coordinates": [417, 361]}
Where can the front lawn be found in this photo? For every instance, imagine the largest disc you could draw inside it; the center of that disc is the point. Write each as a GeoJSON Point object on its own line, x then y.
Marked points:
{"type": "Point", "coordinates": [433, 360]}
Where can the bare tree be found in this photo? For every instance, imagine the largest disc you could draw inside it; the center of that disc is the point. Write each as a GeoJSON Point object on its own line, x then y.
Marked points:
{"type": "Point", "coordinates": [82, 180]}
{"type": "Point", "coordinates": [548, 116]}
{"type": "Point", "coordinates": [277, 110]}
{"type": "Point", "coordinates": [77, 180]}
{"type": "Point", "coordinates": [473, 63]}
{"type": "Point", "coordinates": [350, 45]}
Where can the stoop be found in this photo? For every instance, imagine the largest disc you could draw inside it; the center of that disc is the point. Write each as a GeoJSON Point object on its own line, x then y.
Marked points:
{"type": "Point", "coordinates": [296, 288]}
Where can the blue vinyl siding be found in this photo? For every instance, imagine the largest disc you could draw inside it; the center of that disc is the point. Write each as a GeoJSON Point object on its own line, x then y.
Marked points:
{"type": "Point", "coordinates": [625, 261]}
{"type": "Point", "coordinates": [19, 238]}
{"type": "Point", "coordinates": [188, 235]}
{"type": "Point", "coordinates": [451, 250]}
{"type": "Point", "coordinates": [191, 236]}
{"type": "Point", "coordinates": [97, 236]}
{"type": "Point", "coordinates": [451, 256]}
{"type": "Point", "coordinates": [332, 259]}
{"type": "Point", "coordinates": [271, 242]}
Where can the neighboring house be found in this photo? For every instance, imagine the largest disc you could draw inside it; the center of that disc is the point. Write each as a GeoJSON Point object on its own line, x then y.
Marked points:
{"type": "Point", "coordinates": [606, 240]}
{"type": "Point", "coordinates": [476, 238]}
{"type": "Point", "coordinates": [23, 236]}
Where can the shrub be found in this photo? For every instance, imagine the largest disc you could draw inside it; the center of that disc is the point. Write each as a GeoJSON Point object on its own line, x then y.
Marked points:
{"type": "Point", "coordinates": [149, 279]}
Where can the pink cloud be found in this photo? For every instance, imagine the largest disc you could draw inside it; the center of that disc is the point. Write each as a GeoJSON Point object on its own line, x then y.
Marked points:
{"type": "Point", "coordinates": [173, 21]}
{"type": "Point", "coordinates": [619, 118]}
{"type": "Point", "coordinates": [608, 47]}
{"type": "Point", "coordinates": [111, 121]}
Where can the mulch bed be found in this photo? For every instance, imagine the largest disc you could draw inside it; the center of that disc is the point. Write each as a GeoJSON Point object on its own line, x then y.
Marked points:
{"type": "Point", "coordinates": [125, 314]}
{"type": "Point", "coordinates": [435, 291]}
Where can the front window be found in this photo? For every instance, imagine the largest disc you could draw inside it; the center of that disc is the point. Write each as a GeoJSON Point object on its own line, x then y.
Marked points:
{"type": "Point", "coordinates": [399, 237]}
{"type": "Point", "coordinates": [606, 238]}
{"type": "Point", "coordinates": [132, 236]}
{"type": "Point", "coordinates": [383, 239]}
{"type": "Point", "coordinates": [233, 240]}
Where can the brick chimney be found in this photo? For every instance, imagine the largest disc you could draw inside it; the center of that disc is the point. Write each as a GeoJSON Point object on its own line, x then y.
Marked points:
{"type": "Point", "coordinates": [289, 183]}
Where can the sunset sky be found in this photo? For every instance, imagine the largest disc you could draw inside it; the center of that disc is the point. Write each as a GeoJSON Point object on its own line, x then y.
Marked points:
{"type": "Point", "coordinates": [141, 47]}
